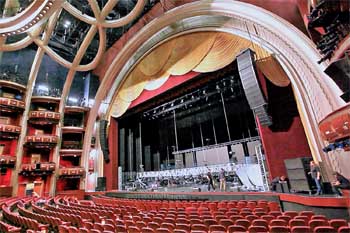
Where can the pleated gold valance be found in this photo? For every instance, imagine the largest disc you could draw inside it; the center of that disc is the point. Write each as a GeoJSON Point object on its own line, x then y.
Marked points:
{"type": "Point", "coordinates": [201, 52]}
{"type": "Point", "coordinates": [273, 71]}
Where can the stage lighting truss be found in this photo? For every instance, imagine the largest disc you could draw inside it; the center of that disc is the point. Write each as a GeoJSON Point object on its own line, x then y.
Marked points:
{"type": "Point", "coordinates": [203, 97]}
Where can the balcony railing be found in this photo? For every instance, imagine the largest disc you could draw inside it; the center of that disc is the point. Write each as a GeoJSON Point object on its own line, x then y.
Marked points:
{"type": "Point", "coordinates": [9, 131]}
{"type": "Point", "coordinates": [6, 160]}
{"type": "Point", "coordinates": [13, 77]}
{"type": "Point", "coordinates": [71, 152]}
{"type": "Point", "coordinates": [44, 117]}
{"type": "Point", "coordinates": [36, 169]}
{"type": "Point", "coordinates": [72, 145]}
{"type": "Point", "coordinates": [13, 85]}
{"type": "Point", "coordinates": [11, 105]}
{"type": "Point", "coordinates": [72, 171]}
{"type": "Point", "coordinates": [41, 141]}
{"type": "Point", "coordinates": [54, 92]}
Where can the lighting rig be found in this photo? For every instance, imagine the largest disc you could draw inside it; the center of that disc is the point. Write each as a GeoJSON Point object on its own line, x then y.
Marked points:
{"type": "Point", "coordinates": [201, 98]}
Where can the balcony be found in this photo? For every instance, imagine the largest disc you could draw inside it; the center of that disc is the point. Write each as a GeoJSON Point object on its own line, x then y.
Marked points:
{"type": "Point", "coordinates": [68, 109]}
{"type": "Point", "coordinates": [72, 129]}
{"type": "Point", "coordinates": [7, 160]}
{"type": "Point", "coordinates": [71, 145]}
{"type": "Point", "coordinates": [72, 172]}
{"type": "Point", "coordinates": [13, 85]}
{"type": "Point", "coordinates": [9, 131]}
{"type": "Point", "coordinates": [336, 125]}
{"type": "Point", "coordinates": [46, 99]}
{"type": "Point", "coordinates": [41, 141]}
{"type": "Point", "coordinates": [38, 169]}
{"type": "Point", "coordinates": [44, 117]}
{"type": "Point", "coordinates": [11, 105]}
{"type": "Point", "coordinates": [71, 152]}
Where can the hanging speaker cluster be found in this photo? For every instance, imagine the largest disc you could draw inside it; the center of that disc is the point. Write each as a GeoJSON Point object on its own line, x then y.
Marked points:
{"type": "Point", "coordinates": [104, 140]}
{"type": "Point", "coordinates": [253, 93]}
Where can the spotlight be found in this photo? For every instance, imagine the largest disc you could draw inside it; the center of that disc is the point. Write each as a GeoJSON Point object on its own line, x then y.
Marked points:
{"type": "Point", "coordinates": [67, 24]}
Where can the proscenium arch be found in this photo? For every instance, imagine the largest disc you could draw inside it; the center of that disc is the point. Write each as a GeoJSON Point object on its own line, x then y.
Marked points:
{"type": "Point", "coordinates": [316, 94]}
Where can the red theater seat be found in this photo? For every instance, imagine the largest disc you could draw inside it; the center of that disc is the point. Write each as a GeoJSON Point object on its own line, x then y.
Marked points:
{"type": "Point", "coordinates": [236, 217]}
{"type": "Point", "coordinates": [297, 222]}
{"type": "Point", "coordinates": [252, 229]}
{"type": "Point", "coordinates": [278, 222]}
{"type": "Point", "coordinates": [133, 229]}
{"type": "Point", "coordinates": [344, 229]}
{"type": "Point", "coordinates": [324, 229]}
{"type": "Point", "coordinates": [337, 223]}
{"type": "Point", "coordinates": [279, 229]}
{"type": "Point", "coordinates": [268, 218]}
{"type": "Point", "coordinates": [199, 227]}
{"type": "Point", "coordinates": [243, 222]}
{"type": "Point", "coordinates": [95, 231]}
{"type": "Point", "coordinates": [163, 230]}
{"type": "Point", "coordinates": [147, 230]}
{"type": "Point", "coordinates": [236, 228]}
{"type": "Point", "coordinates": [300, 229]}
{"type": "Point", "coordinates": [260, 222]}
{"type": "Point", "coordinates": [275, 213]}
{"type": "Point", "coordinates": [251, 218]}
{"type": "Point", "coordinates": [291, 214]}
{"type": "Point", "coordinates": [317, 222]}
{"type": "Point", "coordinates": [214, 228]}
{"type": "Point", "coordinates": [307, 213]}
{"type": "Point", "coordinates": [226, 222]}
{"type": "Point", "coordinates": [121, 229]}
{"type": "Point", "coordinates": [285, 218]}
{"type": "Point", "coordinates": [180, 231]}
{"type": "Point", "coordinates": [181, 226]}
{"type": "Point", "coordinates": [83, 230]}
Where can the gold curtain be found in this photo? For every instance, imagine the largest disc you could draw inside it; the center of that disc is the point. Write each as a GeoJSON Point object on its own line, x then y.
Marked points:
{"type": "Point", "coordinates": [273, 71]}
{"type": "Point", "coordinates": [201, 52]}
{"type": "Point", "coordinates": [188, 51]}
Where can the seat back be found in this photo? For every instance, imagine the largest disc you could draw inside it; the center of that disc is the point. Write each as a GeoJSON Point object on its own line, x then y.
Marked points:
{"type": "Point", "coordinates": [324, 229]}
{"type": "Point", "coordinates": [279, 229]}
{"type": "Point", "coordinates": [300, 229]}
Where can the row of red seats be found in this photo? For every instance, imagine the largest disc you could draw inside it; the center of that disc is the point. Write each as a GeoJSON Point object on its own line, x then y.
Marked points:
{"type": "Point", "coordinates": [53, 222]}
{"type": "Point", "coordinates": [21, 221]}
{"type": "Point", "coordinates": [74, 219]}
{"type": "Point", "coordinates": [213, 205]}
{"type": "Point", "coordinates": [278, 224]}
{"type": "Point", "coordinates": [5, 227]}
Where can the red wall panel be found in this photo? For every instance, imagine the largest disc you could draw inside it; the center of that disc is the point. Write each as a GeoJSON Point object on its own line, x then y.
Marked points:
{"type": "Point", "coordinates": [110, 169]}
{"type": "Point", "coordinates": [279, 146]}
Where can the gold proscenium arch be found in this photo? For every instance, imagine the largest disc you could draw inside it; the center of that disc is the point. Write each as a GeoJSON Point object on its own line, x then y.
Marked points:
{"type": "Point", "coordinates": [315, 93]}
{"type": "Point", "coordinates": [202, 52]}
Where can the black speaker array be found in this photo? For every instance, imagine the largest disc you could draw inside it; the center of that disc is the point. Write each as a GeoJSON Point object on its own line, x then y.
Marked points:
{"type": "Point", "coordinates": [104, 140]}
{"type": "Point", "coordinates": [297, 170]}
{"type": "Point", "coordinates": [251, 87]}
{"type": "Point", "coordinates": [101, 183]}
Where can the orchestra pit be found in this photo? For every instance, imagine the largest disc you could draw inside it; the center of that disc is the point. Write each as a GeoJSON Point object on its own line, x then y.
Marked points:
{"type": "Point", "coordinates": [174, 116]}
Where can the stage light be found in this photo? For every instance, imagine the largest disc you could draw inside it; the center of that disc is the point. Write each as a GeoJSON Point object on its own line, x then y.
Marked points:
{"type": "Point", "coordinates": [67, 24]}
{"type": "Point", "coordinates": [43, 88]}
{"type": "Point", "coordinates": [73, 100]}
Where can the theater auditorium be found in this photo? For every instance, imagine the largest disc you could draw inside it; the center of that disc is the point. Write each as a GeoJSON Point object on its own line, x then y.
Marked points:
{"type": "Point", "coordinates": [175, 116]}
